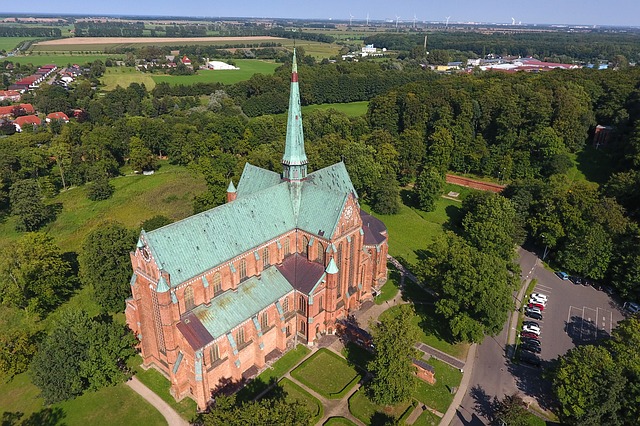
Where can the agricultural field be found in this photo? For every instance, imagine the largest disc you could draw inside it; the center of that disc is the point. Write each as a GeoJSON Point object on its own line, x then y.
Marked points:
{"type": "Point", "coordinates": [10, 43]}
{"type": "Point", "coordinates": [248, 67]}
{"type": "Point", "coordinates": [124, 76]}
{"type": "Point", "coordinates": [352, 109]}
{"type": "Point", "coordinates": [60, 59]}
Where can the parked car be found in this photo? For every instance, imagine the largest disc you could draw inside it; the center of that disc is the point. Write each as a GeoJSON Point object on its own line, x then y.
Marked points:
{"type": "Point", "coordinates": [562, 275]}
{"type": "Point", "coordinates": [609, 290]}
{"type": "Point", "coordinates": [538, 300]}
{"type": "Point", "coordinates": [531, 348]}
{"type": "Point", "coordinates": [533, 323]}
{"type": "Point", "coordinates": [531, 329]}
{"type": "Point", "coordinates": [539, 296]}
{"type": "Point", "coordinates": [529, 358]}
{"type": "Point", "coordinates": [631, 307]}
{"type": "Point", "coordinates": [575, 280]}
{"type": "Point", "coordinates": [535, 314]}
{"type": "Point", "coordinates": [536, 305]}
{"type": "Point", "coordinates": [529, 335]}
{"type": "Point", "coordinates": [530, 341]}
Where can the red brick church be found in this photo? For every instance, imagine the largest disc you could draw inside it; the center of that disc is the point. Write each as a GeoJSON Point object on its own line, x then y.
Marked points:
{"type": "Point", "coordinates": [217, 296]}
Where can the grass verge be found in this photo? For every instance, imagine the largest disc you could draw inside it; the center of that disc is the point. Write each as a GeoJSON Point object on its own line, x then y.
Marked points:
{"type": "Point", "coordinates": [370, 413]}
{"type": "Point", "coordinates": [389, 289]}
{"type": "Point", "coordinates": [438, 396]}
{"type": "Point", "coordinates": [295, 392]}
{"type": "Point", "coordinates": [327, 373]}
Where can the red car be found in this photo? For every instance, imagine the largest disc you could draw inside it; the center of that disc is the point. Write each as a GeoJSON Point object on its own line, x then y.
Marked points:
{"type": "Point", "coordinates": [529, 335]}
{"type": "Point", "coordinates": [536, 305]}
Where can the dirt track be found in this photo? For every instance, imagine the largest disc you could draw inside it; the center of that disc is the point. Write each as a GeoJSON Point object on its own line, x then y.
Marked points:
{"type": "Point", "coordinates": [145, 40]}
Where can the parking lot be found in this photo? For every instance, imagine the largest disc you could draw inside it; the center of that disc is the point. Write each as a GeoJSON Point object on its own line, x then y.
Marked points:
{"type": "Point", "coordinates": [574, 315]}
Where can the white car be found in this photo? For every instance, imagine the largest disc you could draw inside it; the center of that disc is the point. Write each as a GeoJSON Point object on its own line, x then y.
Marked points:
{"type": "Point", "coordinates": [542, 302]}
{"type": "Point", "coordinates": [539, 296]}
{"type": "Point", "coordinates": [531, 329]}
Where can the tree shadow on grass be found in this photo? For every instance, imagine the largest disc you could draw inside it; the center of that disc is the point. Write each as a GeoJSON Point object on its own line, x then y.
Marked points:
{"type": "Point", "coordinates": [454, 223]}
{"type": "Point", "coordinates": [408, 199]}
{"type": "Point", "coordinates": [383, 419]}
{"type": "Point", "coordinates": [46, 417]}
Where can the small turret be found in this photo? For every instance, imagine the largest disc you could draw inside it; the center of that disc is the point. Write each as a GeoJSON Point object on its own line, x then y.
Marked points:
{"type": "Point", "coordinates": [231, 192]}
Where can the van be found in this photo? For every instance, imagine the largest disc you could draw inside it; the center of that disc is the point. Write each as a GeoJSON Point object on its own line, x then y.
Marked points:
{"type": "Point", "coordinates": [632, 307]}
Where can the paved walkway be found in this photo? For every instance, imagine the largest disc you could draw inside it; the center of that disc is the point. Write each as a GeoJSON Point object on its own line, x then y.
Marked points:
{"type": "Point", "coordinates": [462, 389]}
{"type": "Point", "coordinates": [172, 417]}
{"type": "Point", "coordinates": [447, 359]}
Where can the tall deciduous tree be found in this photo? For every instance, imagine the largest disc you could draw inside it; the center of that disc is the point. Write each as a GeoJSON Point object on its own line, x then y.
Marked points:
{"type": "Point", "coordinates": [35, 276]}
{"type": "Point", "coordinates": [105, 264]}
{"type": "Point", "coordinates": [17, 347]}
{"type": "Point", "coordinates": [428, 188]}
{"type": "Point", "coordinates": [26, 203]}
{"type": "Point", "coordinates": [392, 366]}
{"type": "Point", "coordinates": [267, 411]}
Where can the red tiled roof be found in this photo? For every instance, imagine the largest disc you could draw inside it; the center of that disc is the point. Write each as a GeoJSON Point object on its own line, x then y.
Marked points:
{"type": "Point", "coordinates": [58, 116]}
{"type": "Point", "coordinates": [9, 93]}
{"type": "Point", "coordinates": [194, 331]}
{"type": "Point", "coordinates": [27, 119]}
{"type": "Point", "coordinates": [301, 273]}
{"type": "Point", "coordinates": [374, 229]}
{"type": "Point", "coordinates": [8, 110]}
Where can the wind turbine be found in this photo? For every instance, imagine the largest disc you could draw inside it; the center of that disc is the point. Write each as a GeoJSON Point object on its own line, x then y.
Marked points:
{"type": "Point", "coordinates": [414, 20]}
{"type": "Point", "coordinates": [397, 18]}
{"type": "Point", "coordinates": [350, 18]}
{"type": "Point", "coordinates": [447, 25]}
{"type": "Point", "coordinates": [367, 19]}
{"type": "Point", "coordinates": [513, 21]}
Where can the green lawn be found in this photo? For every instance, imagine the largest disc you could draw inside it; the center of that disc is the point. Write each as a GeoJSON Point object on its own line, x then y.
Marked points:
{"type": "Point", "coordinates": [248, 67]}
{"type": "Point", "coordinates": [108, 406]}
{"type": "Point", "coordinates": [427, 418]}
{"type": "Point", "coordinates": [277, 370]}
{"type": "Point", "coordinates": [372, 414]}
{"type": "Point", "coordinates": [339, 421]}
{"type": "Point", "coordinates": [61, 60]}
{"type": "Point", "coordinates": [327, 373]}
{"type": "Point", "coordinates": [10, 43]}
{"type": "Point", "coordinates": [168, 192]}
{"type": "Point", "coordinates": [352, 109]}
{"type": "Point", "coordinates": [438, 396]}
{"type": "Point", "coordinates": [295, 392]}
{"type": "Point", "coordinates": [160, 386]}
{"type": "Point", "coordinates": [433, 331]}
{"type": "Point", "coordinates": [412, 229]}
{"type": "Point", "coordinates": [389, 289]}
{"type": "Point", "coordinates": [124, 76]}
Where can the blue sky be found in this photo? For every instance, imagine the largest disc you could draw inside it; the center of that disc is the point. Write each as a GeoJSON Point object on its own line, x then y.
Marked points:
{"type": "Point", "coordinates": [587, 12]}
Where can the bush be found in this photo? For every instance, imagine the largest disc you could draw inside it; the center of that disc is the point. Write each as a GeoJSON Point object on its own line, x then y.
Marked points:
{"type": "Point", "coordinates": [100, 189]}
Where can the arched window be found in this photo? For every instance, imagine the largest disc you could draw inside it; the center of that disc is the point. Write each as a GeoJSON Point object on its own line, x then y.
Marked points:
{"type": "Point", "coordinates": [264, 320]}
{"type": "Point", "coordinates": [287, 248]}
{"type": "Point", "coordinates": [189, 304]}
{"type": "Point", "coordinates": [265, 257]}
{"type": "Point", "coordinates": [303, 327]}
{"type": "Point", "coordinates": [339, 256]}
{"type": "Point", "coordinates": [352, 262]}
{"type": "Point", "coordinates": [285, 304]}
{"type": "Point", "coordinates": [320, 304]}
{"type": "Point", "coordinates": [217, 283]}
{"type": "Point", "coordinates": [302, 305]}
{"type": "Point", "coordinates": [215, 353]}
{"type": "Point", "coordinates": [320, 258]}
{"type": "Point", "coordinates": [240, 336]}
{"type": "Point", "coordinates": [305, 246]}
{"type": "Point", "coordinates": [242, 266]}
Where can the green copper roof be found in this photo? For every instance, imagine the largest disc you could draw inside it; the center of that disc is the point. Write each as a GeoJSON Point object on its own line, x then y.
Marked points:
{"type": "Point", "coordinates": [255, 179]}
{"type": "Point", "coordinates": [332, 268]}
{"type": "Point", "coordinates": [232, 308]}
{"type": "Point", "coordinates": [231, 187]}
{"type": "Point", "coordinates": [188, 248]}
{"type": "Point", "coordinates": [294, 154]}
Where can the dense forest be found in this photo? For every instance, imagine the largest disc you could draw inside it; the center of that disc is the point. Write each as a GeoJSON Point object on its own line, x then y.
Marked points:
{"type": "Point", "coordinates": [6, 31]}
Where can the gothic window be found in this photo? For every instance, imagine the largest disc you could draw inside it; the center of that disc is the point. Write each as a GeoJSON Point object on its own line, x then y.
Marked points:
{"type": "Point", "coordinates": [240, 336]}
{"type": "Point", "coordinates": [305, 246]}
{"type": "Point", "coordinates": [303, 327]}
{"type": "Point", "coordinates": [352, 261]}
{"type": "Point", "coordinates": [339, 289]}
{"type": "Point", "coordinates": [265, 257]}
{"type": "Point", "coordinates": [320, 258]}
{"type": "Point", "coordinates": [215, 353]}
{"type": "Point", "coordinates": [288, 330]}
{"type": "Point", "coordinates": [243, 269]}
{"type": "Point", "coordinates": [189, 304]}
{"type": "Point", "coordinates": [287, 248]}
{"type": "Point", "coordinates": [320, 304]}
{"type": "Point", "coordinates": [302, 305]}
{"type": "Point", "coordinates": [285, 305]}
{"type": "Point", "coordinates": [264, 320]}
{"type": "Point", "coordinates": [217, 283]}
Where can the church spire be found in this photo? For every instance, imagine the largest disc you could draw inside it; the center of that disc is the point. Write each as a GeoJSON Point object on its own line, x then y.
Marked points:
{"type": "Point", "coordinates": [294, 160]}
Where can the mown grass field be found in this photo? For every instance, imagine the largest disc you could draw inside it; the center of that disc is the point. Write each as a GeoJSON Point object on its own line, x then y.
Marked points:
{"type": "Point", "coordinates": [295, 392]}
{"type": "Point", "coordinates": [10, 43]}
{"type": "Point", "coordinates": [61, 59]}
{"type": "Point", "coordinates": [248, 67]}
{"type": "Point", "coordinates": [168, 192]}
{"type": "Point", "coordinates": [352, 109]}
{"type": "Point", "coordinates": [326, 373]}
{"type": "Point", "coordinates": [108, 406]}
{"type": "Point", "coordinates": [124, 76]}
{"type": "Point", "coordinates": [365, 410]}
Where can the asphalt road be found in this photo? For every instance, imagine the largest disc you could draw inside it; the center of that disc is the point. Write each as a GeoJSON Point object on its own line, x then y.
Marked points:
{"type": "Point", "coordinates": [574, 315]}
